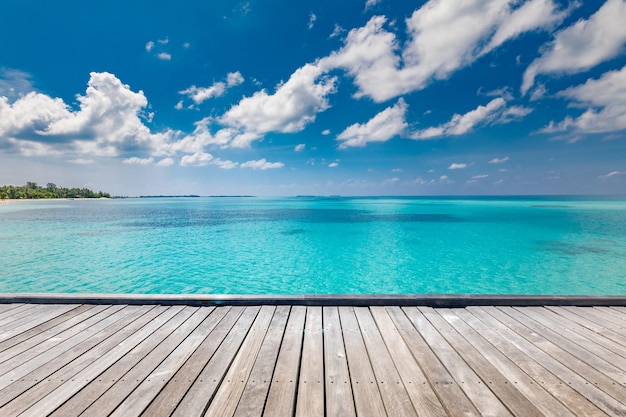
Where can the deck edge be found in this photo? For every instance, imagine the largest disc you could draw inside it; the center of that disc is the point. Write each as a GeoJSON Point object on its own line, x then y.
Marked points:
{"type": "Point", "coordinates": [429, 300]}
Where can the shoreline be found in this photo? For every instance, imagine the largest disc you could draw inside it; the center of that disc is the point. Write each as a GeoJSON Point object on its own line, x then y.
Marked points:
{"type": "Point", "coordinates": [28, 200]}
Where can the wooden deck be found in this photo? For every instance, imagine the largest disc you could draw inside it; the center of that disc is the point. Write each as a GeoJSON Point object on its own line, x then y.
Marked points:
{"type": "Point", "coordinates": [285, 360]}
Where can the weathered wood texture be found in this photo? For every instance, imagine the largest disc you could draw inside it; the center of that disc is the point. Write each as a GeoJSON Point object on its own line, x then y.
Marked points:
{"type": "Point", "coordinates": [132, 360]}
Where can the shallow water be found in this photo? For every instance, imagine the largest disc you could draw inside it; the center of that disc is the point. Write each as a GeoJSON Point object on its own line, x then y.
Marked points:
{"type": "Point", "coordinates": [315, 245]}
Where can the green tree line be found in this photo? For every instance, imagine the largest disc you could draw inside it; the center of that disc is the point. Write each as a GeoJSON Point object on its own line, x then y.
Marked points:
{"type": "Point", "coordinates": [33, 191]}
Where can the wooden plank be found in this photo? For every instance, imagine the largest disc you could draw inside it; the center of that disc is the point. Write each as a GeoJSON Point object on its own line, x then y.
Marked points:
{"type": "Point", "coordinates": [594, 369]}
{"type": "Point", "coordinates": [22, 315]}
{"type": "Point", "coordinates": [23, 364]}
{"type": "Point", "coordinates": [43, 327]}
{"type": "Point", "coordinates": [197, 399]}
{"type": "Point", "coordinates": [619, 310]}
{"type": "Point", "coordinates": [171, 395]}
{"type": "Point", "coordinates": [64, 368]}
{"type": "Point", "coordinates": [7, 307]}
{"type": "Point", "coordinates": [585, 338]}
{"type": "Point", "coordinates": [454, 400]}
{"type": "Point", "coordinates": [518, 335]}
{"type": "Point", "coordinates": [422, 396]}
{"type": "Point", "coordinates": [131, 394]}
{"type": "Point", "coordinates": [98, 383]}
{"type": "Point", "coordinates": [32, 321]}
{"type": "Point", "coordinates": [610, 315]}
{"type": "Point", "coordinates": [481, 362]}
{"type": "Point", "coordinates": [39, 343]}
{"type": "Point", "coordinates": [367, 398]}
{"type": "Point", "coordinates": [531, 359]}
{"type": "Point", "coordinates": [310, 400]}
{"type": "Point", "coordinates": [18, 310]}
{"type": "Point", "coordinates": [598, 327]}
{"type": "Point", "coordinates": [281, 399]}
{"type": "Point", "coordinates": [227, 397]}
{"type": "Point", "coordinates": [477, 391]}
{"type": "Point", "coordinates": [48, 337]}
{"type": "Point", "coordinates": [339, 400]}
{"type": "Point", "coordinates": [395, 398]}
{"type": "Point", "coordinates": [257, 387]}
{"type": "Point", "coordinates": [605, 318]}
{"type": "Point", "coordinates": [542, 399]}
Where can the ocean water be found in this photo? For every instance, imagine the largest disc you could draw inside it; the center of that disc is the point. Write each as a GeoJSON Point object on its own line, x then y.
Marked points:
{"type": "Point", "coordinates": [309, 245]}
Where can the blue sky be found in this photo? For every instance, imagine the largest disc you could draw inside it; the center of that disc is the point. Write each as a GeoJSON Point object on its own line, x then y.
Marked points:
{"type": "Point", "coordinates": [274, 97]}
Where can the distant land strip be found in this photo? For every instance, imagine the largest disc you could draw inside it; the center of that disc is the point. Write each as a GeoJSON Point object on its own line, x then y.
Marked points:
{"type": "Point", "coordinates": [33, 191]}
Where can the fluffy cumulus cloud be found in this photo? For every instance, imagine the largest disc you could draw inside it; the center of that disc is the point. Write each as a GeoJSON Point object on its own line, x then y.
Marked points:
{"type": "Point", "coordinates": [108, 122]}
{"type": "Point", "coordinates": [442, 39]}
{"type": "Point", "coordinates": [201, 94]}
{"type": "Point", "coordinates": [382, 127]}
{"type": "Point", "coordinates": [583, 45]}
{"type": "Point", "coordinates": [262, 164]}
{"type": "Point", "coordinates": [604, 100]}
{"type": "Point", "coordinates": [200, 159]}
{"type": "Point", "coordinates": [197, 159]}
{"type": "Point", "coordinates": [289, 109]}
{"type": "Point", "coordinates": [463, 123]}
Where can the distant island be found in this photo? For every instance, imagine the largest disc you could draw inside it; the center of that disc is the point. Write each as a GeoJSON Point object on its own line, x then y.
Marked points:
{"type": "Point", "coordinates": [32, 191]}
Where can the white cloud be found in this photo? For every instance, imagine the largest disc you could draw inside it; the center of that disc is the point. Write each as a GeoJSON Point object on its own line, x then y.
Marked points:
{"type": "Point", "coordinates": [198, 159]}
{"type": "Point", "coordinates": [225, 164]}
{"type": "Point", "coordinates": [583, 45]}
{"type": "Point", "coordinates": [499, 160]}
{"type": "Point", "coordinates": [14, 83]}
{"type": "Point", "coordinates": [371, 3]}
{"type": "Point", "coordinates": [108, 122]}
{"type": "Point", "coordinates": [605, 99]}
{"type": "Point", "coordinates": [262, 164]}
{"type": "Point", "coordinates": [138, 161]}
{"type": "Point", "coordinates": [179, 105]}
{"type": "Point", "coordinates": [513, 113]}
{"type": "Point", "coordinates": [80, 161]}
{"type": "Point", "coordinates": [312, 19]}
{"type": "Point", "coordinates": [333, 165]}
{"type": "Point", "coordinates": [479, 177]}
{"type": "Point", "coordinates": [382, 127]}
{"type": "Point", "coordinates": [294, 105]}
{"type": "Point", "coordinates": [300, 147]}
{"type": "Point", "coordinates": [164, 56]}
{"type": "Point", "coordinates": [201, 94]}
{"type": "Point", "coordinates": [463, 123]}
{"type": "Point", "coordinates": [529, 16]}
{"type": "Point", "coordinates": [164, 41]}
{"type": "Point", "coordinates": [443, 37]}
{"type": "Point", "coordinates": [612, 174]}
{"type": "Point", "coordinates": [326, 132]}
{"type": "Point", "coordinates": [165, 162]}
{"type": "Point", "coordinates": [538, 92]}
{"type": "Point", "coordinates": [218, 89]}
{"type": "Point", "coordinates": [338, 30]}
{"type": "Point", "coordinates": [396, 170]}
{"type": "Point", "coordinates": [150, 46]}
{"type": "Point", "coordinates": [458, 166]}
{"type": "Point", "coordinates": [186, 45]}
{"type": "Point", "coordinates": [234, 79]}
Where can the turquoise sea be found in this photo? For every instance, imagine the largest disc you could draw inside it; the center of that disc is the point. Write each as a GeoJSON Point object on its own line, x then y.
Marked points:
{"type": "Point", "coordinates": [307, 245]}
